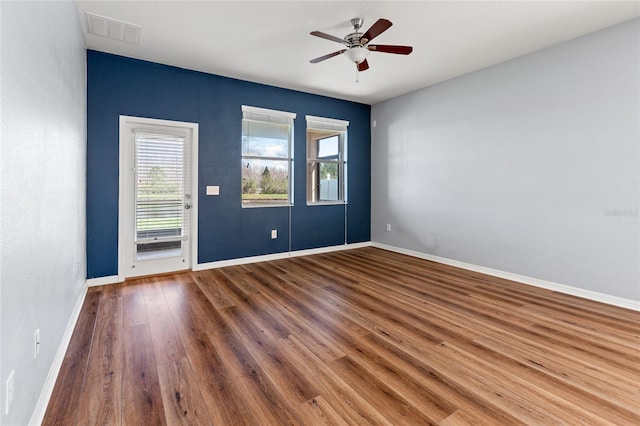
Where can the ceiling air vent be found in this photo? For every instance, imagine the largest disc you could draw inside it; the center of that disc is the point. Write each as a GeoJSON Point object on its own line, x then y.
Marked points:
{"type": "Point", "coordinates": [111, 28]}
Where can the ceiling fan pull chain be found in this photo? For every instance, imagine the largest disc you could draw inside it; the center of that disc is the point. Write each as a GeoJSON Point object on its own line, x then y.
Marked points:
{"type": "Point", "coordinates": [357, 75]}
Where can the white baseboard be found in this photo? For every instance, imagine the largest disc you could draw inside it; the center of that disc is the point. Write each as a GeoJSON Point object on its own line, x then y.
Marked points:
{"type": "Point", "coordinates": [94, 282]}
{"type": "Point", "coordinates": [47, 389]}
{"type": "Point", "coordinates": [562, 288]}
{"type": "Point", "coordinates": [278, 256]}
{"type": "Point", "coordinates": [114, 279]}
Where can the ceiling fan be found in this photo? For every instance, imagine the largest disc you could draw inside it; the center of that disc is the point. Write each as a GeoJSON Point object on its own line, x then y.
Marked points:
{"type": "Point", "coordinates": [358, 46]}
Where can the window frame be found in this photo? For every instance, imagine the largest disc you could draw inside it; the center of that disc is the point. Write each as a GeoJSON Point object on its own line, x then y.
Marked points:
{"type": "Point", "coordinates": [269, 116]}
{"type": "Point", "coordinates": [332, 128]}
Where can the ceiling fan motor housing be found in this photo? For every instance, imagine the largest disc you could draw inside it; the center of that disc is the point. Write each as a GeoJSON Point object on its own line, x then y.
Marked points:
{"type": "Point", "coordinates": [354, 39]}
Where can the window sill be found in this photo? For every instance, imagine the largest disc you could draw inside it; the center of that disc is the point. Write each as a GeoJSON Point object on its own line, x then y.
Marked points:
{"type": "Point", "coordinates": [259, 206]}
{"type": "Point", "coordinates": [325, 203]}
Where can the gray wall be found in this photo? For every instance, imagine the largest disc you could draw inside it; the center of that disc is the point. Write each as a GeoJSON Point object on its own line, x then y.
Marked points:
{"type": "Point", "coordinates": [530, 166]}
{"type": "Point", "coordinates": [42, 209]}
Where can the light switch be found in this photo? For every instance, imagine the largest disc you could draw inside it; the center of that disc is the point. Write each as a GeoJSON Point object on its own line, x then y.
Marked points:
{"type": "Point", "coordinates": [213, 190]}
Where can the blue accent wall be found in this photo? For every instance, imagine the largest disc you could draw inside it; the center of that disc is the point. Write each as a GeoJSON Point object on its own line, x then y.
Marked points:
{"type": "Point", "coordinates": [122, 86]}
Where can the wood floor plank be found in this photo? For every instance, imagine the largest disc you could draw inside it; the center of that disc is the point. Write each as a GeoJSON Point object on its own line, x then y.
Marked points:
{"type": "Point", "coordinates": [232, 383]}
{"type": "Point", "coordinates": [218, 385]}
{"type": "Point", "coordinates": [352, 406]}
{"type": "Point", "coordinates": [317, 411]}
{"type": "Point", "coordinates": [493, 287]}
{"type": "Point", "coordinates": [106, 351]}
{"type": "Point", "coordinates": [167, 344]}
{"type": "Point", "coordinates": [267, 405]}
{"type": "Point", "coordinates": [216, 366]}
{"type": "Point", "coordinates": [436, 377]}
{"type": "Point", "coordinates": [362, 336]}
{"type": "Point", "coordinates": [240, 279]}
{"type": "Point", "coordinates": [101, 400]}
{"type": "Point", "coordinates": [207, 282]}
{"type": "Point", "coordinates": [554, 404]}
{"type": "Point", "coordinates": [591, 326]}
{"type": "Point", "coordinates": [253, 310]}
{"type": "Point", "coordinates": [248, 343]}
{"type": "Point", "coordinates": [68, 389]}
{"type": "Point", "coordinates": [283, 374]}
{"type": "Point", "coordinates": [412, 388]}
{"type": "Point", "coordinates": [134, 311]}
{"type": "Point", "coordinates": [452, 325]}
{"type": "Point", "coordinates": [226, 364]}
{"type": "Point", "coordinates": [342, 322]}
{"type": "Point", "coordinates": [395, 408]}
{"type": "Point", "coordinates": [461, 418]}
{"type": "Point", "coordinates": [569, 363]}
{"type": "Point", "coordinates": [141, 396]}
{"type": "Point", "coordinates": [498, 321]}
{"type": "Point", "coordinates": [181, 396]}
{"type": "Point", "coordinates": [172, 285]}
{"type": "Point", "coordinates": [580, 376]}
{"type": "Point", "coordinates": [348, 343]}
{"type": "Point", "coordinates": [323, 348]}
{"type": "Point", "coordinates": [419, 396]}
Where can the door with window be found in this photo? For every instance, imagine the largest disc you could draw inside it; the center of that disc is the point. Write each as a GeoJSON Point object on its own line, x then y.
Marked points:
{"type": "Point", "coordinates": [157, 213]}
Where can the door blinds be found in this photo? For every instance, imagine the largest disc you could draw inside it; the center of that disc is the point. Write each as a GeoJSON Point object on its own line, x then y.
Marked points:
{"type": "Point", "coordinates": [161, 188]}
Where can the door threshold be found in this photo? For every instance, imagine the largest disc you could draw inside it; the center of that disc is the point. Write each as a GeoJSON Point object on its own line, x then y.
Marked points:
{"type": "Point", "coordinates": [163, 274]}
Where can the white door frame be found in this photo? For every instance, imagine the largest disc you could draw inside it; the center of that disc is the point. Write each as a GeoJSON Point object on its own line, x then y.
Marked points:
{"type": "Point", "coordinates": [124, 120]}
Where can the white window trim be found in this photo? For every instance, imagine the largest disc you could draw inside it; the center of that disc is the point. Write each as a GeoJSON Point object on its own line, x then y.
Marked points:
{"type": "Point", "coordinates": [331, 124]}
{"type": "Point", "coordinates": [323, 123]}
{"type": "Point", "coordinates": [268, 115]}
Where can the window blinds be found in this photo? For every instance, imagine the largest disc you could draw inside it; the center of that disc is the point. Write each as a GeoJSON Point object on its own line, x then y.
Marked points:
{"type": "Point", "coordinates": [161, 170]}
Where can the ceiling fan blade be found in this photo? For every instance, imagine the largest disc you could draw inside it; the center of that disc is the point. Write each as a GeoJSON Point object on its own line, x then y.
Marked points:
{"type": "Point", "coordinates": [327, 36]}
{"type": "Point", "coordinates": [376, 29]}
{"type": "Point", "coordinates": [387, 48]}
{"type": "Point", "coordinates": [330, 55]}
{"type": "Point", "coordinates": [363, 66]}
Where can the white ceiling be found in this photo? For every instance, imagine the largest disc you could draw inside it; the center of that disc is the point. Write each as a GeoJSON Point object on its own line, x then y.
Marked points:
{"type": "Point", "coordinates": [269, 42]}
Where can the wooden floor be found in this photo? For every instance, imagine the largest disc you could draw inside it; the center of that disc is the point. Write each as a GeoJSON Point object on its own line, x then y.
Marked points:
{"type": "Point", "coordinates": [362, 336]}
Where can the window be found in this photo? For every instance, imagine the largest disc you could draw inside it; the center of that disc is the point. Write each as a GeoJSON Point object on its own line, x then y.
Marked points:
{"type": "Point", "coordinates": [267, 157]}
{"type": "Point", "coordinates": [326, 160]}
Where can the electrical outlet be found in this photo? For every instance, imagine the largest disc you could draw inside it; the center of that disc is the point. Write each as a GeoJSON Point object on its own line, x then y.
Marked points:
{"type": "Point", "coordinates": [9, 391]}
{"type": "Point", "coordinates": [36, 344]}
{"type": "Point", "coordinates": [388, 227]}
{"type": "Point", "coordinates": [274, 234]}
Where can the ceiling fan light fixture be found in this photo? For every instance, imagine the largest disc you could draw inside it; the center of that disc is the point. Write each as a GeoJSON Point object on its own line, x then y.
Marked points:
{"type": "Point", "coordinates": [357, 54]}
